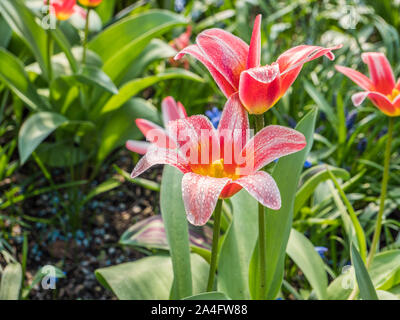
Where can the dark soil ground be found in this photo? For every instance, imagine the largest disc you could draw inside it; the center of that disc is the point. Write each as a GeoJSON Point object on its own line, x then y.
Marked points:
{"type": "Point", "coordinates": [78, 253]}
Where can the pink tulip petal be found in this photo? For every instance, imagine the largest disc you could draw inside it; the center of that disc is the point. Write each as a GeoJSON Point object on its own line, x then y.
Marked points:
{"type": "Point", "coordinates": [183, 40]}
{"type": "Point", "coordinates": [291, 61]}
{"type": "Point", "coordinates": [182, 110]}
{"type": "Point", "coordinates": [396, 104]}
{"type": "Point", "coordinates": [226, 52]}
{"type": "Point", "coordinates": [380, 71]}
{"type": "Point", "coordinates": [197, 139]}
{"type": "Point", "coordinates": [170, 110]}
{"type": "Point", "coordinates": [357, 77]}
{"type": "Point", "coordinates": [263, 188]}
{"type": "Point", "coordinates": [235, 120]}
{"type": "Point", "coordinates": [377, 98]}
{"type": "Point", "coordinates": [226, 88]}
{"type": "Point", "coordinates": [259, 88]}
{"type": "Point", "coordinates": [140, 147]}
{"type": "Point", "coordinates": [254, 58]}
{"type": "Point", "coordinates": [200, 195]}
{"type": "Point", "coordinates": [155, 134]}
{"type": "Point", "coordinates": [156, 155]}
{"type": "Point", "coordinates": [271, 143]}
{"type": "Point", "coordinates": [233, 131]}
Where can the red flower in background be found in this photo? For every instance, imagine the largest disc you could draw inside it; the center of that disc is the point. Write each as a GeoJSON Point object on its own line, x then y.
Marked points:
{"type": "Point", "coordinates": [235, 66]}
{"type": "Point", "coordinates": [171, 110]}
{"type": "Point", "coordinates": [179, 44]}
{"type": "Point", "coordinates": [381, 88]}
{"type": "Point", "coordinates": [221, 175]}
{"type": "Point", "coordinates": [63, 9]}
{"type": "Point", "coordinates": [90, 3]}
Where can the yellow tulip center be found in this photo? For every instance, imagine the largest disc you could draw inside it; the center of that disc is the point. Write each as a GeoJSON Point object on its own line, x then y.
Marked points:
{"type": "Point", "coordinates": [393, 95]}
{"type": "Point", "coordinates": [217, 169]}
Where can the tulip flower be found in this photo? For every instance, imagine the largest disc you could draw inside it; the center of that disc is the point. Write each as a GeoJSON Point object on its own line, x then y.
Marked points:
{"type": "Point", "coordinates": [90, 3]}
{"type": "Point", "coordinates": [221, 175]}
{"type": "Point", "coordinates": [381, 88]}
{"type": "Point", "coordinates": [63, 9]}
{"type": "Point", "coordinates": [384, 93]}
{"type": "Point", "coordinates": [171, 110]}
{"type": "Point", "coordinates": [236, 67]}
{"type": "Point", "coordinates": [179, 44]}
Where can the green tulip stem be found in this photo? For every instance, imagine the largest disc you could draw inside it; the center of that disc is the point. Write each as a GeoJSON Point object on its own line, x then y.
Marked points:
{"type": "Point", "coordinates": [385, 179]}
{"type": "Point", "coordinates": [214, 249]}
{"type": "Point", "coordinates": [259, 125]}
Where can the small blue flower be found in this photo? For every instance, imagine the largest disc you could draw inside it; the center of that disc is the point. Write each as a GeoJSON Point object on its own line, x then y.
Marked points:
{"type": "Point", "coordinates": [179, 5]}
{"type": "Point", "coordinates": [362, 145]}
{"type": "Point", "coordinates": [351, 119]}
{"type": "Point", "coordinates": [291, 122]}
{"type": "Point", "coordinates": [382, 133]}
{"type": "Point", "coordinates": [307, 164]}
{"type": "Point", "coordinates": [321, 251]}
{"type": "Point", "coordinates": [214, 115]}
{"type": "Point", "coordinates": [79, 234]}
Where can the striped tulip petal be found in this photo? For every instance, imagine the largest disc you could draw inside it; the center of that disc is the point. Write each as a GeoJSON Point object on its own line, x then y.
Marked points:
{"type": "Point", "coordinates": [155, 134]}
{"type": "Point", "coordinates": [254, 58]}
{"type": "Point", "coordinates": [226, 52]}
{"type": "Point", "coordinates": [360, 79]}
{"type": "Point", "coordinates": [220, 79]}
{"type": "Point", "coordinates": [181, 110]}
{"type": "Point", "coordinates": [271, 143]}
{"type": "Point", "coordinates": [200, 195]}
{"type": "Point", "coordinates": [196, 137]}
{"type": "Point", "coordinates": [378, 99]}
{"type": "Point", "coordinates": [259, 88]}
{"type": "Point", "coordinates": [263, 188]}
{"type": "Point", "coordinates": [170, 110]}
{"type": "Point", "coordinates": [140, 147]}
{"type": "Point", "coordinates": [291, 61]}
{"type": "Point", "coordinates": [156, 155]}
{"type": "Point", "coordinates": [235, 121]}
{"type": "Point", "coordinates": [380, 71]}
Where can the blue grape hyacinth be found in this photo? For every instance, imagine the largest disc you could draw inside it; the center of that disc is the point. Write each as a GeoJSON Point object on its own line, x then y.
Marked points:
{"type": "Point", "coordinates": [321, 251]}
{"type": "Point", "coordinates": [214, 115]}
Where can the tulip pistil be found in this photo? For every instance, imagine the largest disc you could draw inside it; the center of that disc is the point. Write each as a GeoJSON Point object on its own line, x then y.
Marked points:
{"type": "Point", "coordinates": [393, 95]}
{"type": "Point", "coordinates": [215, 170]}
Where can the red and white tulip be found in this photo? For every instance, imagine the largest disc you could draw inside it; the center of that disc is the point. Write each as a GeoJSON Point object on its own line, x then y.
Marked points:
{"type": "Point", "coordinates": [381, 88]}
{"type": "Point", "coordinates": [171, 110]}
{"type": "Point", "coordinates": [236, 66]}
{"type": "Point", "coordinates": [217, 163]}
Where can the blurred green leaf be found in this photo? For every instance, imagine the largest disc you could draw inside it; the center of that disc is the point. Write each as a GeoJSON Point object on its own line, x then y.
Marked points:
{"type": "Point", "coordinates": [176, 227]}
{"type": "Point", "coordinates": [303, 253]}
{"type": "Point", "coordinates": [149, 278]}
{"type": "Point", "coordinates": [121, 43]}
{"type": "Point", "coordinates": [10, 284]}
{"type": "Point", "coordinates": [12, 73]}
{"type": "Point", "coordinates": [208, 296]}
{"type": "Point", "coordinates": [279, 223]}
{"type": "Point", "coordinates": [236, 249]}
{"type": "Point", "coordinates": [133, 87]}
{"type": "Point", "coordinates": [35, 129]}
{"type": "Point", "coordinates": [23, 23]}
{"type": "Point", "coordinates": [118, 126]}
{"type": "Point", "coordinates": [96, 76]}
{"type": "Point", "coordinates": [367, 290]}
{"type": "Point", "coordinates": [315, 176]}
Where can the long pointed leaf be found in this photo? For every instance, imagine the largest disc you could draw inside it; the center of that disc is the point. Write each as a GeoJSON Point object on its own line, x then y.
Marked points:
{"type": "Point", "coordinates": [279, 223]}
